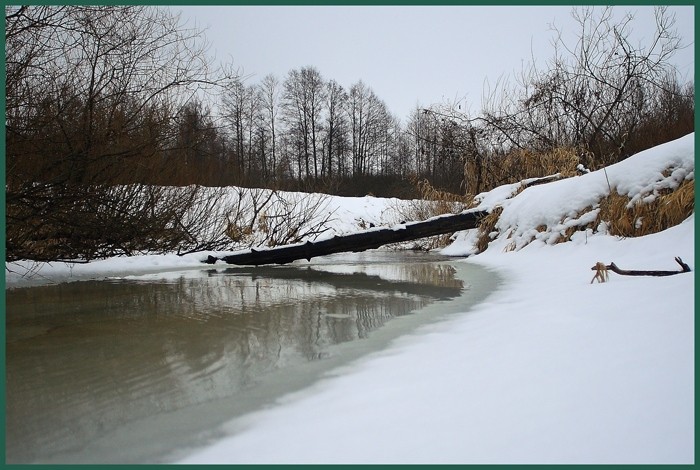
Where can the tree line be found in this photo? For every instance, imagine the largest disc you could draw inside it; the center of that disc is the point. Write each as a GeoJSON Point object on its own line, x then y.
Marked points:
{"type": "Point", "coordinates": [305, 132]}
{"type": "Point", "coordinates": [100, 97]}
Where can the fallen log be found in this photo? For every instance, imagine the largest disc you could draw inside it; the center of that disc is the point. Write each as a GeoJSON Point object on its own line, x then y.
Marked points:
{"type": "Point", "coordinates": [601, 271]}
{"type": "Point", "coordinates": [355, 242]}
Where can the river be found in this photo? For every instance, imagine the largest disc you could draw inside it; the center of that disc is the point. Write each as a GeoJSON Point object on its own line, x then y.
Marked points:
{"type": "Point", "coordinates": [140, 368]}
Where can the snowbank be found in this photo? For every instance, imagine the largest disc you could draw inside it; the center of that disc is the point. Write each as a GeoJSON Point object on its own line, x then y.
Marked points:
{"type": "Point", "coordinates": [550, 369]}
{"type": "Point", "coordinates": [346, 215]}
{"type": "Point", "coordinates": [573, 202]}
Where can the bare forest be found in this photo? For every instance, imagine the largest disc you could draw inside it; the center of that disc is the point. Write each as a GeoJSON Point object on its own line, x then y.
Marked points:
{"type": "Point", "coordinates": [120, 129]}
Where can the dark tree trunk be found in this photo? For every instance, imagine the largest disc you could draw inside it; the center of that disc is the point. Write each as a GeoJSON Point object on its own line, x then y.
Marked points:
{"type": "Point", "coordinates": [355, 242]}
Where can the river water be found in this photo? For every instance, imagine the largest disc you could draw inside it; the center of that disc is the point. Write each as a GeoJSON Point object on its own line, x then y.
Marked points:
{"type": "Point", "coordinates": [138, 369]}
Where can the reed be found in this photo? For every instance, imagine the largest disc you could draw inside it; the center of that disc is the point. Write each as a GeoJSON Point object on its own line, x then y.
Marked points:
{"type": "Point", "coordinates": [627, 219]}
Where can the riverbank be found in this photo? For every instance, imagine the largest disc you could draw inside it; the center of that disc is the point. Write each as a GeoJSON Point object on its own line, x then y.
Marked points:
{"type": "Point", "coordinates": [550, 368]}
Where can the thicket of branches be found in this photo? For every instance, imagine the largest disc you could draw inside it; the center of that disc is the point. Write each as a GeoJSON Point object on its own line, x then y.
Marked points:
{"type": "Point", "coordinates": [109, 108]}
{"type": "Point", "coordinates": [602, 98]}
{"type": "Point", "coordinates": [91, 97]}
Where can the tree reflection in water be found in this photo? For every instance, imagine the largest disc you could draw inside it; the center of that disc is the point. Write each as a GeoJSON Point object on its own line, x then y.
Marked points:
{"type": "Point", "coordinates": [86, 358]}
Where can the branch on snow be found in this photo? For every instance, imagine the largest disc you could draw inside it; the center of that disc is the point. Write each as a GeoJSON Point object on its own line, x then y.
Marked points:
{"type": "Point", "coordinates": [602, 269]}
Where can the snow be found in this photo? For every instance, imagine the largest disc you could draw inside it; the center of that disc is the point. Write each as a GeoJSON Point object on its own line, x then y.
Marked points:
{"type": "Point", "coordinates": [550, 368]}
{"type": "Point", "coordinates": [548, 204]}
{"type": "Point", "coordinates": [347, 215]}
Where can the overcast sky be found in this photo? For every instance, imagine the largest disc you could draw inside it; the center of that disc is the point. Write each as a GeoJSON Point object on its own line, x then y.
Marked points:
{"type": "Point", "coordinates": [409, 55]}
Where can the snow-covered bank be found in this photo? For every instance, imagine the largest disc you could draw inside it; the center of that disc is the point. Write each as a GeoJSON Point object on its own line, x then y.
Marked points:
{"type": "Point", "coordinates": [347, 214]}
{"type": "Point", "coordinates": [551, 368]}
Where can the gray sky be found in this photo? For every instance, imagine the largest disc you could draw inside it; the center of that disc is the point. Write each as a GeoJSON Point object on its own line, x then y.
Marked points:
{"type": "Point", "coordinates": [409, 55]}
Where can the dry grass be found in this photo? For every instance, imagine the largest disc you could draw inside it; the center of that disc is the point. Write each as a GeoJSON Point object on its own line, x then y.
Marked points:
{"type": "Point", "coordinates": [667, 210]}
{"type": "Point", "coordinates": [487, 226]}
{"type": "Point", "coordinates": [438, 202]}
{"type": "Point", "coordinates": [433, 202]}
{"type": "Point", "coordinates": [622, 218]}
{"type": "Point", "coordinates": [518, 165]}
{"type": "Point", "coordinates": [523, 164]}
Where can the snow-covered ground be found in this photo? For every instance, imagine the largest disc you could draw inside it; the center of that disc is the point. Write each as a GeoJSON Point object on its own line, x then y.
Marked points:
{"type": "Point", "coordinates": [551, 368]}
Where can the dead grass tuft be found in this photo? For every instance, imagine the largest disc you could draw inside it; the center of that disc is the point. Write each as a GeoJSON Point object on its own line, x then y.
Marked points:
{"type": "Point", "coordinates": [525, 164]}
{"type": "Point", "coordinates": [667, 210]}
{"type": "Point", "coordinates": [487, 226]}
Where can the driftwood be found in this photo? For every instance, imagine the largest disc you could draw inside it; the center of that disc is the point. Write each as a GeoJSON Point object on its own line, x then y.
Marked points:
{"type": "Point", "coordinates": [543, 180]}
{"type": "Point", "coordinates": [601, 272]}
{"type": "Point", "coordinates": [602, 269]}
{"type": "Point", "coordinates": [355, 242]}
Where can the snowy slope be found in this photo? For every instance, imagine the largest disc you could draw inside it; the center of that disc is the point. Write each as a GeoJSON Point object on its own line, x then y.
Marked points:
{"type": "Point", "coordinates": [549, 369]}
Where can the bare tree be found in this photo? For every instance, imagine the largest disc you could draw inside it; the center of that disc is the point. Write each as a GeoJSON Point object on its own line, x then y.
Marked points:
{"type": "Point", "coordinates": [303, 107]}
{"type": "Point", "coordinates": [370, 123]}
{"type": "Point", "coordinates": [95, 70]}
{"type": "Point", "coordinates": [270, 107]}
{"type": "Point", "coordinates": [594, 93]}
{"type": "Point", "coordinates": [197, 156]}
{"type": "Point", "coordinates": [90, 95]}
{"type": "Point", "coordinates": [241, 105]}
{"type": "Point", "coordinates": [336, 128]}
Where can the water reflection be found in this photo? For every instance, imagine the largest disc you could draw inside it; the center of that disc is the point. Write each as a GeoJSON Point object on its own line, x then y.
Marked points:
{"type": "Point", "coordinates": [84, 359]}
